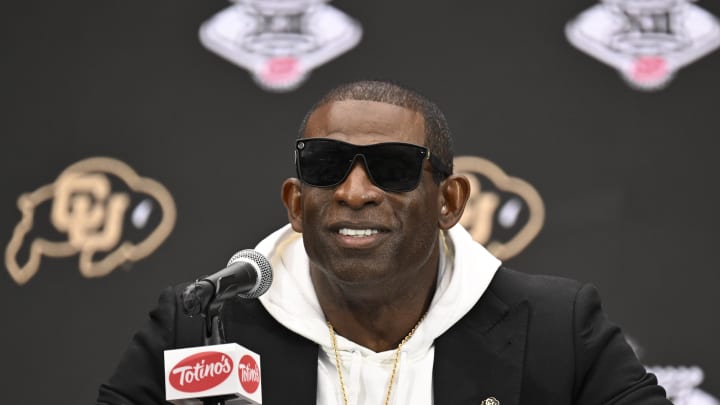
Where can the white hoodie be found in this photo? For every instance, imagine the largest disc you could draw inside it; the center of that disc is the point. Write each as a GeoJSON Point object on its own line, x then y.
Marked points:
{"type": "Point", "coordinates": [291, 300]}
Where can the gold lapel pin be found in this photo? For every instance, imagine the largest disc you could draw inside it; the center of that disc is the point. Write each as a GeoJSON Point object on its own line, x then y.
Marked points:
{"type": "Point", "coordinates": [490, 401]}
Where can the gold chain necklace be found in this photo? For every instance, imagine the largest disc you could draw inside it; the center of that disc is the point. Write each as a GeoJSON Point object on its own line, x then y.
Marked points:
{"type": "Point", "coordinates": [338, 364]}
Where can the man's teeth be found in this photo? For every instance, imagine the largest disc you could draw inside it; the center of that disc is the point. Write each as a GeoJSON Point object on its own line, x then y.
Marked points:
{"type": "Point", "coordinates": [357, 232]}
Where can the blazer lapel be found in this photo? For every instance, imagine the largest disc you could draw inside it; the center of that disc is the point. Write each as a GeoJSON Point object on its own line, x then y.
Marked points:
{"type": "Point", "coordinates": [482, 355]}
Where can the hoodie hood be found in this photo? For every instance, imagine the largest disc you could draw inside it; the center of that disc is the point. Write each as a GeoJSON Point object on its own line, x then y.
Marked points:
{"type": "Point", "coordinates": [466, 269]}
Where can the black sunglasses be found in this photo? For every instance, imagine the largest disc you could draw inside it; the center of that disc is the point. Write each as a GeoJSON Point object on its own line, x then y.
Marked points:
{"type": "Point", "coordinates": [392, 166]}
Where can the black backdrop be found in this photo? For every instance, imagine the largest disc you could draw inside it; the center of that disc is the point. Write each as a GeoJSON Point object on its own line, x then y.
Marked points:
{"type": "Point", "coordinates": [627, 177]}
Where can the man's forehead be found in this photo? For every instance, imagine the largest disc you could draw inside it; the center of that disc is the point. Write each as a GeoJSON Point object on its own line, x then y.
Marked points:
{"type": "Point", "coordinates": [348, 119]}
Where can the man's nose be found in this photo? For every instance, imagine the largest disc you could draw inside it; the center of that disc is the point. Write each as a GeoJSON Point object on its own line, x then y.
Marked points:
{"type": "Point", "coordinates": [357, 190]}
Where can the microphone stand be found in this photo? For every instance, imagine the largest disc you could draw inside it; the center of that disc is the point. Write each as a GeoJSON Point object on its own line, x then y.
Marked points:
{"type": "Point", "coordinates": [206, 298]}
{"type": "Point", "coordinates": [214, 334]}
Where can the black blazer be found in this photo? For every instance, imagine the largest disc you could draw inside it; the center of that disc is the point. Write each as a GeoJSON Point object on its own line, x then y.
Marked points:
{"type": "Point", "coordinates": [529, 340]}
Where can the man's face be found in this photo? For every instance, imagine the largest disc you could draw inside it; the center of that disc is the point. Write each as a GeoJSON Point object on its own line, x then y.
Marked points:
{"type": "Point", "coordinates": [355, 232]}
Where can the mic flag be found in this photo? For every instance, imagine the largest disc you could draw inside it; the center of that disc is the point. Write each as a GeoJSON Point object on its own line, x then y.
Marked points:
{"type": "Point", "coordinates": [225, 370]}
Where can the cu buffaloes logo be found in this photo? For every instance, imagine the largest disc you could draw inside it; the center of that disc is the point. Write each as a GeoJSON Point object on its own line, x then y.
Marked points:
{"type": "Point", "coordinates": [503, 213]}
{"type": "Point", "coordinates": [99, 209]}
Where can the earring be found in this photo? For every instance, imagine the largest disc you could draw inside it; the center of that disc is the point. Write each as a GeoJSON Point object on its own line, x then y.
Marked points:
{"type": "Point", "coordinates": [444, 209]}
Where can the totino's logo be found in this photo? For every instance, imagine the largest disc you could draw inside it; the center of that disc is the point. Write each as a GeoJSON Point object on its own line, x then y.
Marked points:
{"type": "Point", "coordinates": [100, 209]}
{"type": "Point", "coordinates": [280, 42]}
{"type": "Point", "coordinates": [200, 371]}
{"type": "Point", "coordinates": [646, 40]}
{"type": "Point", "coordinates": [249, 374]}
{"type": "Point", "coordinates": [503, 213]}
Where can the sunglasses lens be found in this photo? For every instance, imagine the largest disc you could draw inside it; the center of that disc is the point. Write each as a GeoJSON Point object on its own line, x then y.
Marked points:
{"type": "Point", "coordinates": [395, 167]}
{"type": "Point", "coordinates": [323, 162]}
{"type": "Point", "coordinates": [392, 166]}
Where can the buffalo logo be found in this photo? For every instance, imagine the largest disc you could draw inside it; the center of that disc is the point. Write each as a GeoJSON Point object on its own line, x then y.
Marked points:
{"type": "Point", "coordinates": [503, 213]}
{"type": "Point", "coordinates": [100, 209]}
{"type": "Point", "coordinates": [646, 40]}
{"type": "Point", "coordinates": [280, 41]}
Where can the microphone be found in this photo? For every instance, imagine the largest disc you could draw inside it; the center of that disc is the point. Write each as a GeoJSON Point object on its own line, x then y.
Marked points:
{"type": "Point", "coordinates": [248, 275]}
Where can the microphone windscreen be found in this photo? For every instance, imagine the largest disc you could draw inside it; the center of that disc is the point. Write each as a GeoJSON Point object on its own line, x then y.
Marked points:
{"type": "Point", "coordinates": [265, 275]}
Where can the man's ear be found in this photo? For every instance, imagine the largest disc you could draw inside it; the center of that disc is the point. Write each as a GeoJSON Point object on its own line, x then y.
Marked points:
{"type": "Point", "coordinates": [291, 195]}
{"type": "Point", "coordinates": [454, 194]}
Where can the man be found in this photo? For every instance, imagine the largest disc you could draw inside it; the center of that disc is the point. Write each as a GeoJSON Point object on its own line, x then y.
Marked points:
{"type": "Point", "coordinates": [379, 297]}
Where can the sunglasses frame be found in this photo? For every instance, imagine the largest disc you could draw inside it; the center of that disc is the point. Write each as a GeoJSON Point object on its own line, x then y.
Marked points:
{"type": "Point", "coordinates": [360, 151]}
